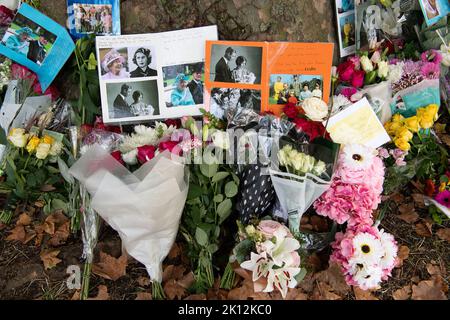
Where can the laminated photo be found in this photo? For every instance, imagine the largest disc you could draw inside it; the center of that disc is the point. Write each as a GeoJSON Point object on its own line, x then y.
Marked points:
{"type": "Point", "coordinates": [100, 17]}
{"type": "Point", "coordinates": [434, 10]}
{"type": "Point", "coordinates": [263, 77]}
{"type": "Point", "coordinates": [345, 15]}
{"type": "Point", "coordinates": [153, 76]}
{"type": "Point", "coordinates": [38, 43]}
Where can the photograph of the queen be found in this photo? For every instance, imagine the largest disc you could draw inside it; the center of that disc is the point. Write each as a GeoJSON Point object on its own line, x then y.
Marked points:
{"type": "Point", "coordinates": [142, 58]}
{"type": "Point", "coordinates": [114, 64]}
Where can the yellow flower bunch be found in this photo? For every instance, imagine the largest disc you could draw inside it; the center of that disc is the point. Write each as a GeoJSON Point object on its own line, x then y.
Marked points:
{"type": "Point", "coordinates": [42, 147]}
{"type": "Point", "coordinates": [402, 130]}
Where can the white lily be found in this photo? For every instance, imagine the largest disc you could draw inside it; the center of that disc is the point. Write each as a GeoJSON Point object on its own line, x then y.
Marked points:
{"type": "Point", "coordinates": [281, 279]}
{"type": "Point", "coordinates": [281, 247]}
{"type": "Point", "coordinates": [259, 264]}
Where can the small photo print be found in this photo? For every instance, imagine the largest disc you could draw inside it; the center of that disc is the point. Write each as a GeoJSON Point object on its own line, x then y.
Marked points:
{"type": "Point", "coordinates": [93, 18]}
{"type": "Point", "coordinates": [431, 8]}
{"type": "Point", "coordinates": [132, 99]}
{"type": "Point", "coordinates": [184, 84]}
{"type": "Point", "coordinates": [345, 5]}
{"type": "Point", "coordinates": [347, 27]}
{"type": "Point", "coordinates": [114, 63]}
{"type": "Point", "coordinates": [28, 38]}
{"type": "Point", "coordinates": [224, 100]}
{"type": "Point", "coordinates": [294, 88]}
{"type": "Point", "coordinates": [142, 62]}
{"type": "Point", "coordinates": [236, 64]}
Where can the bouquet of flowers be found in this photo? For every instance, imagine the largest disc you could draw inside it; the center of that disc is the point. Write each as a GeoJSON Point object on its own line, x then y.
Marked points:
{"type": "Point", "coordinates": [356, 187]}
{"type": "Point", "coordinates": [366, 255]}
{"type": "Point", "coordinates": [132, 202]}
{"type": "Point", "coordinates": [270, 252]}
{"type": "Point", "coordinates": [303, 180]}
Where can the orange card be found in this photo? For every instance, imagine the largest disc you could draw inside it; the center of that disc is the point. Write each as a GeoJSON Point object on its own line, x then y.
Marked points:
{"type": "Point", "coordinates": [265, 76]}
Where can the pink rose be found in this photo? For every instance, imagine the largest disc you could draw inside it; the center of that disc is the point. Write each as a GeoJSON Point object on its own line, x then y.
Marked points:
{"type": "Point", "coordinates": [268, 228]}
{"type": "Point", "coordinates": [348, 92]}
{"type": "Point", "coordinates": [346, 71]}
{"type": "Point", "coordinates": [356, 62]}
{"type": "Point", "coordinates": [145, 153]}
{"type": "Point", "coordinates": [358, 78]}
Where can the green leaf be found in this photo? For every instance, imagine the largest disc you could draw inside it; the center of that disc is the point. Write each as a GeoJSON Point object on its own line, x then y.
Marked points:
{"type": "Point", "coordinates": [301, 275]}
{"type": "Point", "coordinates": [212, 248]}
{"type": "Point", "coordinates": [220, 176]}
{"type": "Point", "coordinates": [3, 139]}
{"type": "Point", "coordinates": [218, 198]}
{"type": "Point", "coordinates": [209, 170]}
{"type": "Point", "coordinates": [92, 63]}
{"type": "Point", "coordinates": [243, 249]}
{"type": "Point", "coordinates": [64, 170]}
{"type": "Point", "coordinates": [201, 237]}
{"type": "Point", "coordinates": [194, 192]}
{"type": "Point", "coordinates": [58, 204]}
{"type": "Point", "coordinates": [224, 210]}
{"type": "Point", "coordinates": [231, 189]}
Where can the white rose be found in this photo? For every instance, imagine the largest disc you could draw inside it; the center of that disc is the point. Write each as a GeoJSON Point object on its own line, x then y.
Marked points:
{"type": "Point", "coordinates": [315, 109]}
{"type": "Point", "coordinates": [18, 137]}
{"type": "Point", "coordinates": [56, 148]}
{"type": "Point", "coordinates": [445, 50]}
{"type": "Point", "coordinates": [221, 140]}
{"type": "Point", "coordinates": [299, 162]}
{"type": "Point", "coordinates": [319, 168]}
{"type": "Point", "coordinates": [366, 64]}
{"type": "Point", "coordinates": [383, 69]}
{"type": "Point", "coordinates": [282, 157]}
{"type": "Point", "coordinates": [43, 150]}
{"type": "Point", "coordinates": [130, 157]}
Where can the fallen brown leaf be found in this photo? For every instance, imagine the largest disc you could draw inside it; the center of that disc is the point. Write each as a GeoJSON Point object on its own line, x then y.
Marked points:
{"type": "Point", "coordinates": [423, 229]}
{"type": "Point", "coordinates": [187, 280]}
{"type": "Point", "coordinates": [409, 217]}
{"type": "Point", "coordinates": [428, 290]}
{"type": "Point", "coordinates": [334, 277]}
{"type": "Point", "coordinates": [61, 234]}
{"type": "Point", "coordinates": [17, 234]}
{"type": "Point", "coordinates": [174, 290]}
{"type": "Point", "coordinates": [196, 297]}
{"type": "Point", "coordinates": [323, 291]}
{"type": "Point", "coordinates": [53, 221]}
{"type": "Point", "coordinates": [402, 255]}
{"type": "Point", "coordinates": [173, 272]}
{"type": "Point", "coordinates": [76, 295]}
{"type": "Point", "coordinates": [398, 198]}
{"type": "Point", "coordinates": [49, 258]}
{"type": "Point", "coordinates": [418, 200]}
{"type": "Point", "coordinates": [319, 224]}
{"type": "Point", "coordinates": [143, 296]}
{"type": "Point", "coordinates": [402, 293]}
{"type": "Point", "coordinates": [144, 281]}
{"type": "Point", "coordinates": [444, 234]}
{"type": "Point", "coordinates": [24, 220]}
{"type": "Point", "coordinates": [174, 252]}
{"type": "Point", "coordinates": [243, 292]}
{"type": "Point", "coordinates": [296, 294]}
{"type": "Point", "coordinates": [102, 293]}
{"type": "Point", "coordinates": [245, 274]}
{"type": "Point", "coordinates": [363, 294]}
{"type": "Point", "coordinates": [433, 269]}
{"type": "Point", "coordinates": [109, 267]}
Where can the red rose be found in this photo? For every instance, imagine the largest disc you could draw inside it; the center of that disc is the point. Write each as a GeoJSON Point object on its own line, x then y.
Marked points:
{"type": "Point", "coordinates": [358, 78]}
{"type": "Point", "coordinates": [173, 122]}
{"type": "Point", "coordinates": [170, 145]}
{"type": "Point", "coordinates": [313, 129]}
{"type": "Point", "coordinates": [290, 110]}
{"type": "Point", "coordinates": [346, 70]}
{"type": "Point", "coordinates": [118, 156]}
{"type": "Point", "coordinates": [145, 153]}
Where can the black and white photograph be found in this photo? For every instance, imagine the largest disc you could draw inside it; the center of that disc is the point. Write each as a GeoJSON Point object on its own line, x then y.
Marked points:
{"type": "Point", "coordinates": [114, 63]}
{"type": "Point", "coordinates": [142, 62]}
{"type": "Point", "coordinates": [132, 99]}
{"type": "Point", "coordinates": [224, 100]}
{"type": "Point", "coordinates": [236, 64]}
{"type": "Point", "coordinates": [184, 84]}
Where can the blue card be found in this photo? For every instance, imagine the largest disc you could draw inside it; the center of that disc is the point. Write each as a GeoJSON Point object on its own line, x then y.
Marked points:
{"type": "Point", "coordinates": [38, 43]}
{"type": "Point", "coordinates": [434, 10]}
{"type": "Point", "coordinates": [101, 17]}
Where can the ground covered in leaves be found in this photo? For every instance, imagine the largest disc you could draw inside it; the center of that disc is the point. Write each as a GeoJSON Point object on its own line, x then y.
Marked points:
{"type": "Point", "coordinates": [36, 252]}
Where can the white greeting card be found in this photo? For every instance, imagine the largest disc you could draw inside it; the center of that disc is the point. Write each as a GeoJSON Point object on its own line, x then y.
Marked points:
{"type": "Point", "coordinates": [152, 76]}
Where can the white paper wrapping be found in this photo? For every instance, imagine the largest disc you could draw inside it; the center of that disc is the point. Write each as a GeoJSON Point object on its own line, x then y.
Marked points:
{"type": "Point", "coordinates": [297, 193]}
{"type": "Point", "coordinates": [144, 207]}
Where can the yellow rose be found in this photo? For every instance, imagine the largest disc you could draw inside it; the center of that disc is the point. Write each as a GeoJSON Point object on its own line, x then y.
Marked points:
{"type": "Point", "coordinates": [18, 137]}
{"type": "Point", "coordinates": [32, 144]}
{"type": "Point", "coordinates": [397, 118]}
{"type": "Point", "coordinates": [392, 127]}
{"type": "Point", "coordinates": [402, 144]}
{"type": "Point", "coordinates": [404, 134]}
{"type": "Point", "coordinates": [412, 124]}
{"type": "Point", "coordinates": [42, 150]}
{"type": "Point", "coordinates": [432, 109]}
{"type": "Point", "coordinates": [47, 139]}
{"type": "Point", "coordinates": [426, 121]}
{"type": "Point", "coordinates": [442, 186]}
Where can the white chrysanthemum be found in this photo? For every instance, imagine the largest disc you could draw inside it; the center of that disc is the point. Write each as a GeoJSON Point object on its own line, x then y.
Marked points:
{"type": "Point", "coordinates": [390, 250]}
{"type": "Point", "coordinates": [395, 72]}
{"type": "Point", "coordinates": [130, 157]}
{"type": "Point", "coordinates": [367, 276]}
{"type": "Point", "coordinates": [356, 156]}
{"type": "Point", "coordinates": [368, 249]}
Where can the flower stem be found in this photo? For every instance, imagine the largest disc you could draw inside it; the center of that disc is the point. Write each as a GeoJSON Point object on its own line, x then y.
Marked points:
{"type": "Point", "coordinates": [228, 278]}
{"type": "Point", "coordinates": [157, 291]}
{"type": "Point", "coordinates": [85, 282]}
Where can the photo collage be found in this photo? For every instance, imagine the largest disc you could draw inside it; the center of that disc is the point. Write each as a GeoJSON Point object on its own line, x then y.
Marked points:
{"type": "Point", "coordinates": [263, 76]}
{"type": "Point", "coordinates": [141, 77]}
{"type": "Point", "coordinates": [346, 23]}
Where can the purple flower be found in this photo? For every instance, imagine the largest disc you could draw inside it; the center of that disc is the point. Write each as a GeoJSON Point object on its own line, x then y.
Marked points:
{"type": "Point", "coordinates": [443, 198]}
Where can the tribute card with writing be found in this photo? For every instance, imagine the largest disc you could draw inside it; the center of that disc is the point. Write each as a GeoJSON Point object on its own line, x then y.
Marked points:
{"type": "Point", "coordinates": [152, 76]}
{"type": "Point", "coordinates": [264, 76]}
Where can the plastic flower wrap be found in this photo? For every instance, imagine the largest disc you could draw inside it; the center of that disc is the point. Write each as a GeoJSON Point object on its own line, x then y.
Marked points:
{"type": "Point", "coordinates": [356, 187]}
{"type": "Point", "coordinates": [269, 251]}
{"type": "Point", "coordinates": [143, 206]}
{"type": "Point", "coordinates": [305, 178]}
{"type": "Point", "coordinates": [366, 255]}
